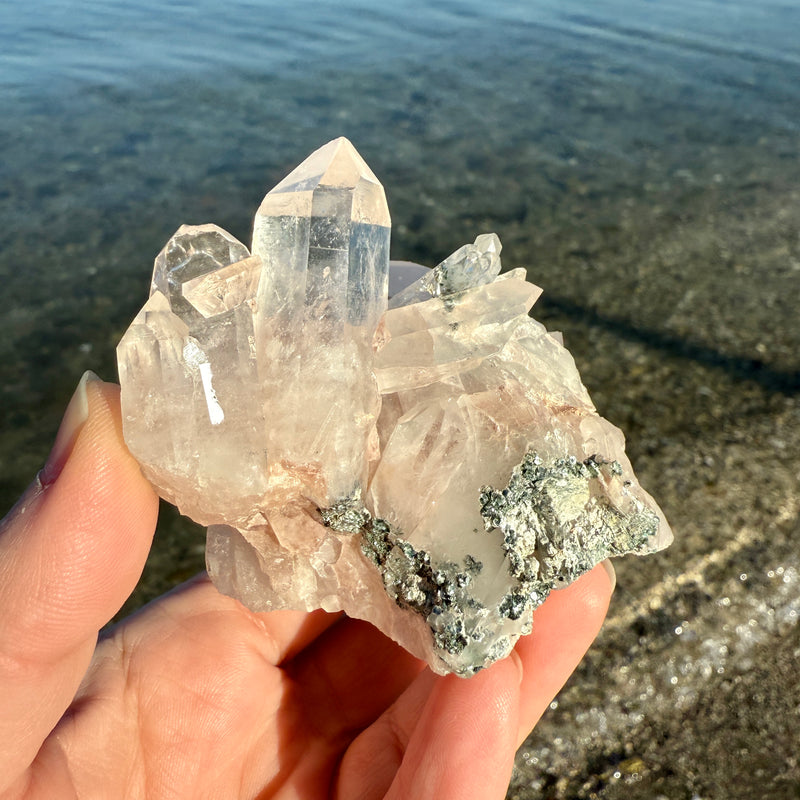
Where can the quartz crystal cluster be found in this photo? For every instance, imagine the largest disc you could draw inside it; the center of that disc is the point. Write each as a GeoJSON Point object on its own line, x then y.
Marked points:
{"type": "Point", "coordinates": [431, 464]}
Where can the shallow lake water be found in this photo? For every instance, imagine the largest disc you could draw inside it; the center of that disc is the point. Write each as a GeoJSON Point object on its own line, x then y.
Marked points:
{"type": "Point", "coordinates": [639, 158]}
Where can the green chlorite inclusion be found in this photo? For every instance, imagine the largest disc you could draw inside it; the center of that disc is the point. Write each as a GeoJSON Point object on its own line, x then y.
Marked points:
{"type": "Point", "coordinates": [556, 523]}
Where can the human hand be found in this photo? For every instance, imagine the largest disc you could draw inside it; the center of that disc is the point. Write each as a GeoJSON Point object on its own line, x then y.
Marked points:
{"type": "Point", "coordinates": [197, 697]}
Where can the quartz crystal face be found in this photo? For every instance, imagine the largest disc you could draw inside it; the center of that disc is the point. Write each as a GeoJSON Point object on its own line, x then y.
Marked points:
{"type": "Point", "coordinates": [432, 464]}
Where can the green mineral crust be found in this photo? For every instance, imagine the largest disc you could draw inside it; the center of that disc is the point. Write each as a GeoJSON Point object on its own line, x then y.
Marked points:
{"type": "Point", "coordinates": [430, 463]}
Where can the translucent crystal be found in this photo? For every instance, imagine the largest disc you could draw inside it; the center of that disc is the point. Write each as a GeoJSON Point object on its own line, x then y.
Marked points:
{"type": "Point", "coordinates": [436, 468]}
{"type": "Point", "coordinates": [471, 265]}
{"type": "Point", "coordinates": [323, 236]}
{"type": "Point", "coordinates": [184, 364]}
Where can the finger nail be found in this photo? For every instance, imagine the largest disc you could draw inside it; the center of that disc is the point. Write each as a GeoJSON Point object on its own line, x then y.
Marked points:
{"type": "Point", "coordinates": [73, 421]}
{"type": "Point", "coordinates": [612, 575]}
{"type": "Point", "coordinates": [515, 657]}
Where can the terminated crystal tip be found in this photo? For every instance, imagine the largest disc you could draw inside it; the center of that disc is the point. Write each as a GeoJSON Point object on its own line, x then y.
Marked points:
{"type": "Point", "coordinates": [335, 166]}
{"type": "Point", "coordinates": [436, 468]}
{"type": "Point", "coordinates": [470, 266]}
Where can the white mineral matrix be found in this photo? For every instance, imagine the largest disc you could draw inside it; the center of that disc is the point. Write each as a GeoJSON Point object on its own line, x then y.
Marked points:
{"type": "Point", "coordinates": [432, 464]}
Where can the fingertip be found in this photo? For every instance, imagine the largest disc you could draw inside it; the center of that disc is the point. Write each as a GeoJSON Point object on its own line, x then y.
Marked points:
{"type": "Point", "coordinates": [101, 466]}
{"type": "Point", "coordinates": [104, 429]}
{"type": "Point", "coordinates": [72, 423]}
{"type": "Point", "coordinates": [564, 628]}
{"type": "Point", "coordinates": [90, 443]}
{"type": "Point", "coordinates": [102, 492]}
{"type": "Point", "coordinates": [76, 545]}
{"type": "Point", "coordinates": [586, 599]}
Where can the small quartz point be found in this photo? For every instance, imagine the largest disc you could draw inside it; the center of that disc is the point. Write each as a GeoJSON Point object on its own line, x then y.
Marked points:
{"type": "Point", "coordinates": [432, 464]}
{"type": "Point", "coordinates": [471, 265]}
{"type": "Point", "coordinates": [184, 362]}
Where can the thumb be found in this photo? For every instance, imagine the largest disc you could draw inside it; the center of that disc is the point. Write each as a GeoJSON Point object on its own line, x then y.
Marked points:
{"type": "Point", "coordinates": [71, 551]}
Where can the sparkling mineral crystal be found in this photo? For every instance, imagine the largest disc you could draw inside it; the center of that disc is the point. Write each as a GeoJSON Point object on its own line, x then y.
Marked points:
{"type": "Point", "coordinates": [434, 466]}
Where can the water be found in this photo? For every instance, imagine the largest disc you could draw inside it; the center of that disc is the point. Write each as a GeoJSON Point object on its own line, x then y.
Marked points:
{"type": "Point", "coordinates": [639, 157]}
{"type": "Point", "coordinates": [86, 39]}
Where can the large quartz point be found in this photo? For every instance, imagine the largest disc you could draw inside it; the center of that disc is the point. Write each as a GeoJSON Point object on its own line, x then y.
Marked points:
{"type": "Point", "coordinates": [433, 465]}
{"type": "Point", "coordinates": [322, 235]}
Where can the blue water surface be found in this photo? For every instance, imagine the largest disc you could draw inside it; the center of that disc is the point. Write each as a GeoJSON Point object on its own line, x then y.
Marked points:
{"type": "Point", "coordinates": [51, 41]}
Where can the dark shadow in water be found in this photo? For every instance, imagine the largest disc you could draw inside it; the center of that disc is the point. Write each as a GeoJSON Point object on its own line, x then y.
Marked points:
{"type": "Point", "coordinates": [738, 367]}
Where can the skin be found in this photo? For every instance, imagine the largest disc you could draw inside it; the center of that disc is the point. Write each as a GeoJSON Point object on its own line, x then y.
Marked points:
{"type": "Point", "coordinates": [197, 697]}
